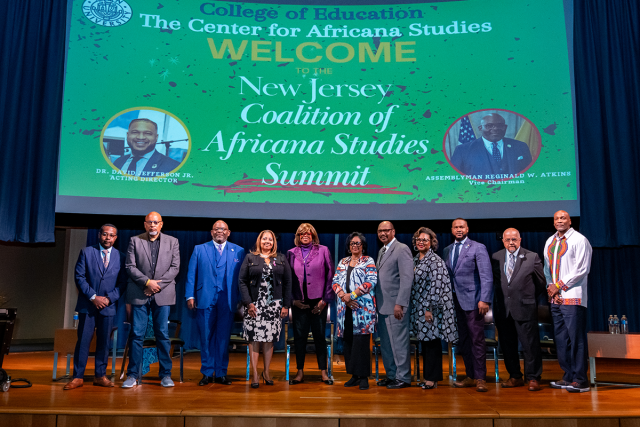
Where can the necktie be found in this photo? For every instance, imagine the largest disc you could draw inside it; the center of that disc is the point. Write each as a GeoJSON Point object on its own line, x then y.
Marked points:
{"type": "Point", "coordinates": [382, 252]}
{"type": "Point", "coordinates": [496, 153]}
{"type": "Point", "coordinates": [105, 259]}
{"type": "Point", "coordinates": [219, 249]}
{"type": "Point", "coordinates": [511, 266]}
{"type": "Point", "coordinates": [456, 253]}
{"type": "Point", "coordinates": [132, 165]}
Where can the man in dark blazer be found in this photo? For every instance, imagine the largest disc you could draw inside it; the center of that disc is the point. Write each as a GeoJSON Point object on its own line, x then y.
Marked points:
{"type": "Point", "coordinates": [101, 280]}
{"type": "Point", "coordinates": [393, 293]}
{"type": "Point", "coordinates": [470, 269]}
{"type": "Point", "coordinates": [518, 278]}
{"type": "Point", "coordinates": [212, 290]}
{"type": "Point", "coordinates": [153, 262]}
{"type": "Point", "coordinates": [492, 154]}
{"type": "Point", "coordinates": [144, 159]}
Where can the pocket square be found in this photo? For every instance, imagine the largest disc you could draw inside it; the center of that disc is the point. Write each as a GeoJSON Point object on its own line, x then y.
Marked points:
{"type": "Point", "coordinates": [521, 157]}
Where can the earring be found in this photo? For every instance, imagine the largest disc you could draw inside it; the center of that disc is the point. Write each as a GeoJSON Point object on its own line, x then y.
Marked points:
{"type": "Point", "coordinates": [414, 248]}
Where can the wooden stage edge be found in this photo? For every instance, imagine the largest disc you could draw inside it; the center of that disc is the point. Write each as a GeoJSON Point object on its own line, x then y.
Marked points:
{"type": "Point", "coordinates": [312, 403]}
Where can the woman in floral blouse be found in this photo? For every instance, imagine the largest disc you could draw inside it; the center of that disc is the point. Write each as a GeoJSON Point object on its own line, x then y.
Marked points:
{"type": "Point", "coordinates": [354, 283]}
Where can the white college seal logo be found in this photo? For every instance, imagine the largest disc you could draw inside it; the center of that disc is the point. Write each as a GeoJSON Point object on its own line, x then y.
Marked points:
{"type": "Point", "coordinates": [108, 13]}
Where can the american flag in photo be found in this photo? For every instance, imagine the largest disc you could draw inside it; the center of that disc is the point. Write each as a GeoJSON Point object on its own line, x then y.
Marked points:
{"type": "Point", "coordinates": [466, 131]}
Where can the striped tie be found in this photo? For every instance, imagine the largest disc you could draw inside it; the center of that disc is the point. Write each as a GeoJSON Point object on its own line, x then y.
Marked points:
{"type": "Point", "coordinates": [105, 260]}
{"type": "Point", "coordinates": [511, 266]}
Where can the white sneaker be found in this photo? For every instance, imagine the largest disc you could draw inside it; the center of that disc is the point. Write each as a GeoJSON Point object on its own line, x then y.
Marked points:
{"type": "Point", "coordinates": [167, 382]}
{"type": "Point", "coordinates": [129, 382]}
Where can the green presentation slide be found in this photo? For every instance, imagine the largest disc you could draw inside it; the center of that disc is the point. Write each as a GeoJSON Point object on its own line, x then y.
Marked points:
{"type": "Point", "coordinates": [424, 110]}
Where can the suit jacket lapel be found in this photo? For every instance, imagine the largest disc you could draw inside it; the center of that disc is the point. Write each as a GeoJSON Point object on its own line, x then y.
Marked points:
{"type": "Point", "coordinates": [210, 247]}
{"type": "Point", "coordinates": [98, 257]}
{"type": "Point", "coordinates": [155, 159]}
{"type": "Point", "coordinates": [518, 264]}
{"type": "Point", "coordinates": [463, 252]}
{"type": "Point", "coordinates": [145, 246]}
{"type": "Point", "coordinates": [388, 253]}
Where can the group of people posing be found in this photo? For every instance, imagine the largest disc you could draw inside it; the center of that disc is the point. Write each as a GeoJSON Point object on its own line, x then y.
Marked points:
{"type": "Point", "coordinates": [396, 295]}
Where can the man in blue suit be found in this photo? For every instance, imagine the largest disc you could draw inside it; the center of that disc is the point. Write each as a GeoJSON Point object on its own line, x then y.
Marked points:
{"type": "Point", "coordinates": [470, 270]}
{"type": "Point", "coordinates": [101, 279]}
{"type": "Point", "coordinates": [212, 290]}
{"type": "Point", "coordinates": [144, 159]}
{"type": "Point", "coordinates": [492, 154]}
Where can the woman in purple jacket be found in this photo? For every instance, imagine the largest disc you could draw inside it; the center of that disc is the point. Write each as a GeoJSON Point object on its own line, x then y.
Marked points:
{"type": "Point", "coordinates": [312, 269]}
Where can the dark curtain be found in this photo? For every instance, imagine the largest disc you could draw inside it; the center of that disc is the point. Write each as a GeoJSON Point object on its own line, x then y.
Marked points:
{"type": "Point", "coordinates": [32, 40]}
{"type": "Point", "coordinates": [607, 66]}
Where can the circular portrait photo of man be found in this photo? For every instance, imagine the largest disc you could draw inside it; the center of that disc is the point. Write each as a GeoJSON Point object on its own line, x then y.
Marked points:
{"type": "Point", "coordinates": [145, 142]}
{"type": "Point", "coordinates": [492, 144]}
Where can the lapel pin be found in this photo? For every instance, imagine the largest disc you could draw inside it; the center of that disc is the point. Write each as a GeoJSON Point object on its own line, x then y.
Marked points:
{"type": "Point", "coordinates": [509, 145]}
{"type": "Point", "coordinates": [520, 256]}
{"type": "Point", "coordinates": [154, 166]}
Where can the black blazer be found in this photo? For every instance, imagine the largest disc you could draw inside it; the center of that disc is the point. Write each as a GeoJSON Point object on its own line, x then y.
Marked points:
{"type": "Point", "coordinates": [518, 297]}
{"type": "Point", "coordinates": [251, 273]}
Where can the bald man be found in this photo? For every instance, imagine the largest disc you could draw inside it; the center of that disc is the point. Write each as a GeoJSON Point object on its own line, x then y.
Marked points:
{"type": "Point", "coordinates": [212, 291]}
{"type": "Point", "coordinates": [567, 261]}
{"type": "Point", "coordinates": [518, 279]}
{"type": "Point", "coordinates": [492, 153]}
{"type": "Point", "coordinates": [152, 262]}
{"type": "Point", "coordinates": [393, 292]}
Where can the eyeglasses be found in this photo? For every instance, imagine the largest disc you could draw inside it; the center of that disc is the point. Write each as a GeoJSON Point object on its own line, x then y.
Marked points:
{"type": "Point", "coordinates": [510, 240]}
{"type": "Point", "coordinates": [306, 233]}
{"type": "Point", "coordinates": [422, 240]}
{"type": "Point", "coordinates": [153, 222]}
{"type": "Point", "coordinates": [491, 126]}
{"type": "Point", "coordinates": [105, 234]}
{"type": "Point", "coordinates": [385, 230]}
{"type": "Point", "coordinates": [219, 229]}
{"type": "Point", "coordinates": [355, 244]}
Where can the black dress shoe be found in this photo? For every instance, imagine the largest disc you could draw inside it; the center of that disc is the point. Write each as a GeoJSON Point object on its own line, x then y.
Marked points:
{"type": "Point", "coordinates": [354, 381]}
{"type": "Point", "coordinates": [294, 382]}
{"type": "Point", "coordinates": [385, 382]}
{"type": "Point", "coordinates": [205, 380]}
{"type": "Point", "coordinates": [398, 384]}
{"type": "Point", "coordinates": [364, 383]}
{"type": "Point", "coordinates": [222, 380]}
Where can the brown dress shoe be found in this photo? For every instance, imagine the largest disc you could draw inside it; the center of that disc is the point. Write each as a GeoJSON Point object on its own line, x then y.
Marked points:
{"type": "Point", "coordinates": [513, 382]}
{"type": "Point", "coordinates": [74, 383]}
{"type": "Point", "coordinates": [467, 382]}
{"type": "Point", "coordinates": [103, 382]}
{"type": "Point", "coordinates": [481, 385]}
{"type": "Point", "coordinates": [534, 385]}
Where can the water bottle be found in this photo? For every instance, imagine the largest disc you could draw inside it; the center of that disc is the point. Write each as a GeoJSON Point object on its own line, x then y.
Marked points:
{"type": "Point", "coordinates": [616, 324]}
{"type": "Point", "coordinates": [624, 325]}
{"type": "Point", "coordinates": [610, 324]}
{"type": "Point", "coordinates": [75, 320]}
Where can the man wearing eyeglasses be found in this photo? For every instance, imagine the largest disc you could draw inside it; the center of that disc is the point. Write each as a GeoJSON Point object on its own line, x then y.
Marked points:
{"type": "Point", "coordinates": [518, 280]}
{"type": "Point", "coordinates": [492, 154]}
{"type": "Point", "coordinates": [393, 293]}
{"type": "Point", "coordinates": [153, 262]}
{"type": "Point", "coordinates": [212, 291]}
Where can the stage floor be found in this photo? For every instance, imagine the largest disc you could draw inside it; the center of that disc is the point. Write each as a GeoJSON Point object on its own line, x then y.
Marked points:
{"type": "Point", "coordinates": [311, 403]}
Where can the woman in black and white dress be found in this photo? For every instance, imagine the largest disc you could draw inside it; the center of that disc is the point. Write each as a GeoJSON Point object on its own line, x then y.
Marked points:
{"type": "Point", "coordinates": [433, 316]}
{"type": "Point", "coordinates": [265, 289]}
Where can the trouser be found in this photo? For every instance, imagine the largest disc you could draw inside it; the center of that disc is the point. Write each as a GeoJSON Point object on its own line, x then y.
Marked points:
{"type": "Point", "coordinates": [395, 346]}
{"type": "Point", "coordinates": [570, 331]}
{"type": "Point", "coordinates": [471, 343]}
{"type": "Point", "coordinates": [303, 321]}
{"type": "Point", "coordinates": [510, 331]}
{"type": "Point", "coordinates": [160, 316]}
{"type": "Point", "coordinates": [214, 325]}
{"type": "Point", "coordinates": [357, 353]}
{"type": "Point", "coordinates": [432, 360]}
{"type": "Point", "coordinates": [87, 322]}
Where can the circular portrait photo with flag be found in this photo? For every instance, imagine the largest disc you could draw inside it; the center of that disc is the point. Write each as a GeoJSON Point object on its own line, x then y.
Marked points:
{"type": "Point", "coordinates": [492, 144]}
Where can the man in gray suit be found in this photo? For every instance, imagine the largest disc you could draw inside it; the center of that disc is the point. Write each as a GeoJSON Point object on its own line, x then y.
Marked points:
{"type": "Point", "coordinates": [152, 262]}
{"type": "Point", "coordinates": [393, 293]}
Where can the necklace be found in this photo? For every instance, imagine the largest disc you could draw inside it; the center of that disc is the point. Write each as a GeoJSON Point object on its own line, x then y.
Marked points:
{"type": "Point", "coordinates": [264, 256]}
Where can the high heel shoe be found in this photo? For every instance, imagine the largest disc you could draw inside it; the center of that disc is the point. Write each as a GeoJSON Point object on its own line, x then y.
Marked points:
{"type": "Point", "coordinates": [267, 382]}
{"type": "Point", "coordinates": [425, 386]}
{"type": "Point", "coordinates": [255, 385]}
